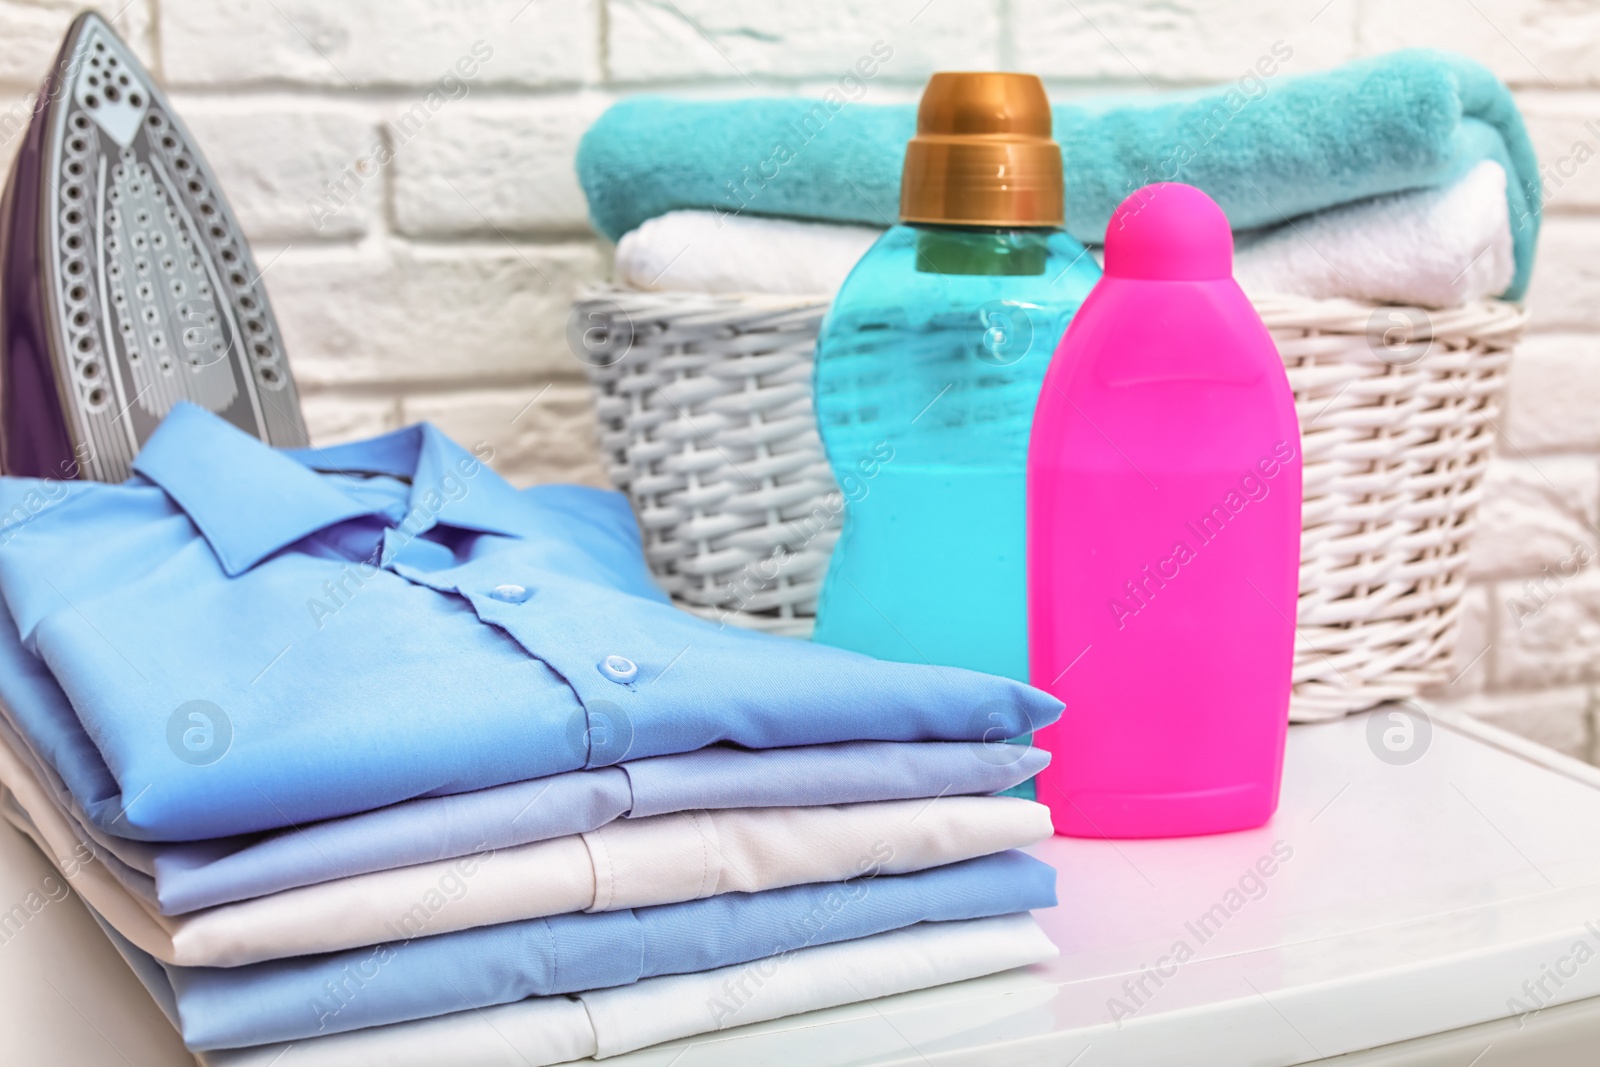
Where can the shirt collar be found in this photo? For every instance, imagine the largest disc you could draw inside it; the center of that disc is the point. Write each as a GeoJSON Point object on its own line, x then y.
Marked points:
{"type": "Point", "coordinates": [249, 500]}
{"type": "Point", "coordinates": [449, 485]}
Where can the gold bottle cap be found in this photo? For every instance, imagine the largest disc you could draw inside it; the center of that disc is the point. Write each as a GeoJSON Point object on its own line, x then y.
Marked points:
{"type": "Point", "coordinates": [983, 155]}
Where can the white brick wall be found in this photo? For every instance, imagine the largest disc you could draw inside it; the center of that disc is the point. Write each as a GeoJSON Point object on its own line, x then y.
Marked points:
{"type": "Point", "coordinates": [438, 288]}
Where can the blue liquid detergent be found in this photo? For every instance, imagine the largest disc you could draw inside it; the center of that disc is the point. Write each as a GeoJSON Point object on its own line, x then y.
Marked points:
{"type": "Point", "coordinates": [928, 369]}
{"type": "Point", "coordinates": [918, 580]}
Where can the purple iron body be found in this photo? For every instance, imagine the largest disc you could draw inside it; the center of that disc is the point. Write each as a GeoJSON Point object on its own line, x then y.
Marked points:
{"type": "Point", "coordinates": [126, 284]}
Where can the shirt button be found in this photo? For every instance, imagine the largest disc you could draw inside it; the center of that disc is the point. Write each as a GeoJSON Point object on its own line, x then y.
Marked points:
{"type": "Point", "coordinates": [511, 594]}
{"type": "Point", "coordinates": [619, 669]}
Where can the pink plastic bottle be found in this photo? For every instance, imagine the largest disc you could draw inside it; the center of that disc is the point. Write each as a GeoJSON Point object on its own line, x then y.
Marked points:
{"type": "Point", "coordinates": [1164, 538]}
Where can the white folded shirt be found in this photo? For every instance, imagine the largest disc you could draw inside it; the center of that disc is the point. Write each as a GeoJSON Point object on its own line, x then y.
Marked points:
{"type": "Point", "coordinates": [549, 1030]}
{"type": "Point", "coordinates": [662, 859]}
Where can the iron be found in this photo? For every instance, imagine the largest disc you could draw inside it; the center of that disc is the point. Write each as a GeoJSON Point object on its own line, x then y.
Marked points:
{"type": "Point", "coordinates": [126, 284]}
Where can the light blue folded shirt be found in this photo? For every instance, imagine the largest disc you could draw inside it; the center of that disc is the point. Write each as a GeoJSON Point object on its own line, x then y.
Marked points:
{"type": "Point", "coordinates": [252, 639]}
{"type": "Point", "coordinates": [308, 996]}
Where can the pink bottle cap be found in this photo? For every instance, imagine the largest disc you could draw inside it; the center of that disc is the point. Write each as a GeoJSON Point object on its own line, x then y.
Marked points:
{"type": "Point", "coordinates": [1169, 231]}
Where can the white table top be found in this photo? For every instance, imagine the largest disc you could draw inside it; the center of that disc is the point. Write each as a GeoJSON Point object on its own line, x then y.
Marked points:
{"type": "Point", "coordinates": [1405, 900]}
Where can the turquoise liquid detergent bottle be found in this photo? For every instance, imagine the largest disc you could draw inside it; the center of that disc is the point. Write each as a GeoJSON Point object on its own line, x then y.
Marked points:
{"type": "Point", "coordinates": [928, 371]}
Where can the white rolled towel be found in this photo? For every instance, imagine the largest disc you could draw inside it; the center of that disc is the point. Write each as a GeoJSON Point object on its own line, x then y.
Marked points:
{"type": "Point", "coordinates": [1429, 248]}
{"type": "Point", "coordinates": [703, 252]}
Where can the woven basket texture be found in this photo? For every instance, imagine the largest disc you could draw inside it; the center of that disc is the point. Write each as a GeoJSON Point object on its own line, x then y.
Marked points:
{"type": "Point", "coordinates": [704, 406]}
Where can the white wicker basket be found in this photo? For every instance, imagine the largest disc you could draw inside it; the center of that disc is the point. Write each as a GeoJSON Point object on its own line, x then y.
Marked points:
{"type": "Point", "coordinates": [705, 420]}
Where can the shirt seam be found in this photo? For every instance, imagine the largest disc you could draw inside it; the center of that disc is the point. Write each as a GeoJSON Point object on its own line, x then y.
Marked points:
{"type": "Point", "coordinates": [705, 855]}
{"type": "Point", "coordinates": [555, 954]}
{"type": "Point", "coordinates": [600, 856]}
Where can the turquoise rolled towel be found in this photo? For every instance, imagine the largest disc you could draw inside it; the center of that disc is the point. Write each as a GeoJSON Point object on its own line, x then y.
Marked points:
{"type": "Point", "coordinates": [1267, 150]}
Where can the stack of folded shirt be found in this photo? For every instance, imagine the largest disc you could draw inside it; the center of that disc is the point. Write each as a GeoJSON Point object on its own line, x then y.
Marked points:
{"type": "Point", "coordinates": [361, 755]}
